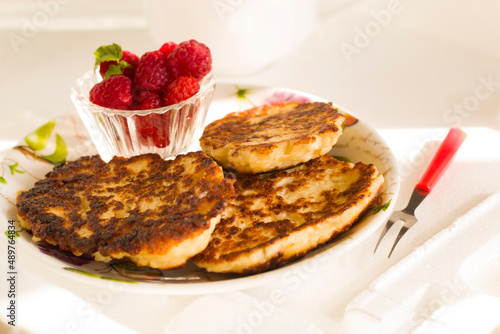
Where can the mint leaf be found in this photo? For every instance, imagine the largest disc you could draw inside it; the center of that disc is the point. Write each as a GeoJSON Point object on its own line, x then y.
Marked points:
{"type": "Point", "coordinates": [117, 69]}
{"type": "Point", "coordinates": [123, 64]}
{"type": "Point", "coordinates": [112, 70]}
{"type": "Point", "coordinates": [107, 53]}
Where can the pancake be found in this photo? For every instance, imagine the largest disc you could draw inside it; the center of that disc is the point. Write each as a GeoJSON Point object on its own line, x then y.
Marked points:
{"type": "Point", "coordinates": [153, 212]}
{"type": "Point", "coordinates": [272, 137]}
{"type": "Point", "coordinates": [277, 217]}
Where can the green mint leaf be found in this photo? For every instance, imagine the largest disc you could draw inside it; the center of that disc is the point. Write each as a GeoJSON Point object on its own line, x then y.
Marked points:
{"type": "Point", "coordinates": [107, 53]}
{"type": "Point", "coordinates": [3, 180]}
{"type": "Point", "coordinates": [113, 70]}
{"type": "Point", "coordinates": [123, 64]}
{"type": "Point", "coordinates": [117, 69]}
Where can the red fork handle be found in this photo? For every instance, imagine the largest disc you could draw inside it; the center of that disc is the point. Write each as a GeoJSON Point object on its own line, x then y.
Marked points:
{"type": "Point", "coordinates": [441, 160]}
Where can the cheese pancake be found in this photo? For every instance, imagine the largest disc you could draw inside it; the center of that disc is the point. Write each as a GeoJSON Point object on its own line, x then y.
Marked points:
{"type": "Point", "coordinates": [272, 137]}
{"type": "Point", "coordinates": [279, 217]}
{"type": "Point", "coordinates": [153, 212]}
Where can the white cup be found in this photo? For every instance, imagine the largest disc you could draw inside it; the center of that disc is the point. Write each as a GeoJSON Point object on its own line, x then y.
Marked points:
{"type": "Point", "coordinates": [243, 35]}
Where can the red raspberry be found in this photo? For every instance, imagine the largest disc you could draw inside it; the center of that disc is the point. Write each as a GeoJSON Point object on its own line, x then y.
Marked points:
{"type": "Point", "coordinates": [113, 92]}
{"type": "Point", "coordinates": [162, 126]}
{"type": "Point", "coordinates": [190, 58]}
{"type": "Point", "coordinates": [104, 66]}
{"type": "Point", "coordinates": [130, 58]}
{"type": "Point", "coordinates": [151, 101]}
{"type": "Point", "coordinates": [139, 94]}
{"type": "Point", "coordinates": [145, 125]}
{"type": "Point", "coordinates": [180, 89]}
{"type": "Point", "coordinates": [167, 48]}
{"type": "Point", "coordinates": [152, 73]}
{"type": "Point", "coordinates": [133, 61]}
{"type": "Point", "coordinates": [155, 127]}
{"type": "Point", "coordinates": [127, 56]}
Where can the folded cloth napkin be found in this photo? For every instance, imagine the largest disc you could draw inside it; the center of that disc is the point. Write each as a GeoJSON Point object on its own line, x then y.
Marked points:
{"type": "Point", "coordinates": [456, 317]}
{"type": "Point", "coordinates": [433, 280]}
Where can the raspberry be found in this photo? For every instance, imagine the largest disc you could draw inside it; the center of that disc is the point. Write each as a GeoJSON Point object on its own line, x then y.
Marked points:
{"type": "Point", "coordinates": [190, 58]}
{"type": "Point", "coordinates": [151, 101]}
{"type": "Point", "coordinates": [180, 89]}
{"type": "Point", "coordinates": [104, 67]}
{"type": "Point", "coordinates": [127, 56]}
{"type": "Point", "coordinates": [152, 73]}
{"type": "Point", "coordinates": [112, 92]}
{"type": "Point", "coordinates": [139, 94]}
{"type": "Point", "coordinates": [162, 127]}
{"type": "Point", "coordinates": [167, 48]}
{"type": "Point", "coordinates": [155, 127]}
{"type": "Point", "coordinates": [133, 61]}
{"type": "Point", "coordinates": [130, 58]}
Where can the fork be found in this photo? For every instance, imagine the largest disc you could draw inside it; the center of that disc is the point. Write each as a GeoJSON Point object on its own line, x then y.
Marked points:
{"type": "Point", "coordinates": [432, 174]}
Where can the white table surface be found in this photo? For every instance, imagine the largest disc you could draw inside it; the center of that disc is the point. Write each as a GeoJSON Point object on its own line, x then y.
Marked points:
{"type": "Point", "coordinates": [435, 65]}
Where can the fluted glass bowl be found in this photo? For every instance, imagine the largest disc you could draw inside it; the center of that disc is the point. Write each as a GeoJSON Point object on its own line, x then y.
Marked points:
{"type": "Point", "coordinates": [168, 131]}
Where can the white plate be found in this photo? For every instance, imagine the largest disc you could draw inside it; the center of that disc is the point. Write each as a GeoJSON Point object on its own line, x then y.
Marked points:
{"type": "Point", "coordinates": [26, 163]}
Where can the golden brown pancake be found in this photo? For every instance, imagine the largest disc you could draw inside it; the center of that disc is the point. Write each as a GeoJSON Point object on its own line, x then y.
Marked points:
{"type": "Point", "coordinates": [153, 212]}
{"type": "Point", "coordinates": [272, 137]}
{"type": "Point", "coordinates": [278, 217]}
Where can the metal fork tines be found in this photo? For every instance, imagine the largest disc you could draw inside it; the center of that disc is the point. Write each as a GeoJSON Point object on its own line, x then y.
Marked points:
{"type": "Point", "coordinates": [407, 216]}
{"type": "Point", "coordinates": [433, 172]}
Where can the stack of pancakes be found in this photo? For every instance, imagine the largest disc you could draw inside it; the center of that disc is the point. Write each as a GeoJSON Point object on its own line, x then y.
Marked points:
{"type": "Point", "coordinates": [262, 193]}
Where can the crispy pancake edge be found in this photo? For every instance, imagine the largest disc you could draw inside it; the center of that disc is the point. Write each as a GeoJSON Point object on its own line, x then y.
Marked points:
{"type": "Point", "coordinates": [279, 251]}
{"type": "Point", "coordinates": [318, 130]}
{"type": "Point", "coordinates": [140, 240]}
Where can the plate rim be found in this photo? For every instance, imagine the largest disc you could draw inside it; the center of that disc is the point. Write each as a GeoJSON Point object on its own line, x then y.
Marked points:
{"type": "Point", "coordinates": [171, 288]}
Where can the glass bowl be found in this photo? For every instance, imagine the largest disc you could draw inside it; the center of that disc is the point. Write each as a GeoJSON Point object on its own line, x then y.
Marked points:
{"type": "Point", "coordinates": [168, 131]}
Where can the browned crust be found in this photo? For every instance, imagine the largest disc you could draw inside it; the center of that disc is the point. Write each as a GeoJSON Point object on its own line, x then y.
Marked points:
{"type": "Point", "coordinates": [301, 119]}
{"type": "Point", "coordinates": [259, 131]}
{"type": "Point", "coordinates": [134, 204]}
{"type": "Point", "coordinates": [230, 242]}
{"type": "Point", "coordinates": [278, 261]}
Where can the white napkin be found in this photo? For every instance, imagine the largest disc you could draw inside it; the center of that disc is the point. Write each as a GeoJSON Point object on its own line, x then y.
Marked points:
{"type": "Point", "coordinates": [236, 312]}
{"type": "Point", "coordinates": [482, 309]}
{"type": "Point", "coordinates": [434, 283]}
{"type": "Point", "coordinates": [53, 309]}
